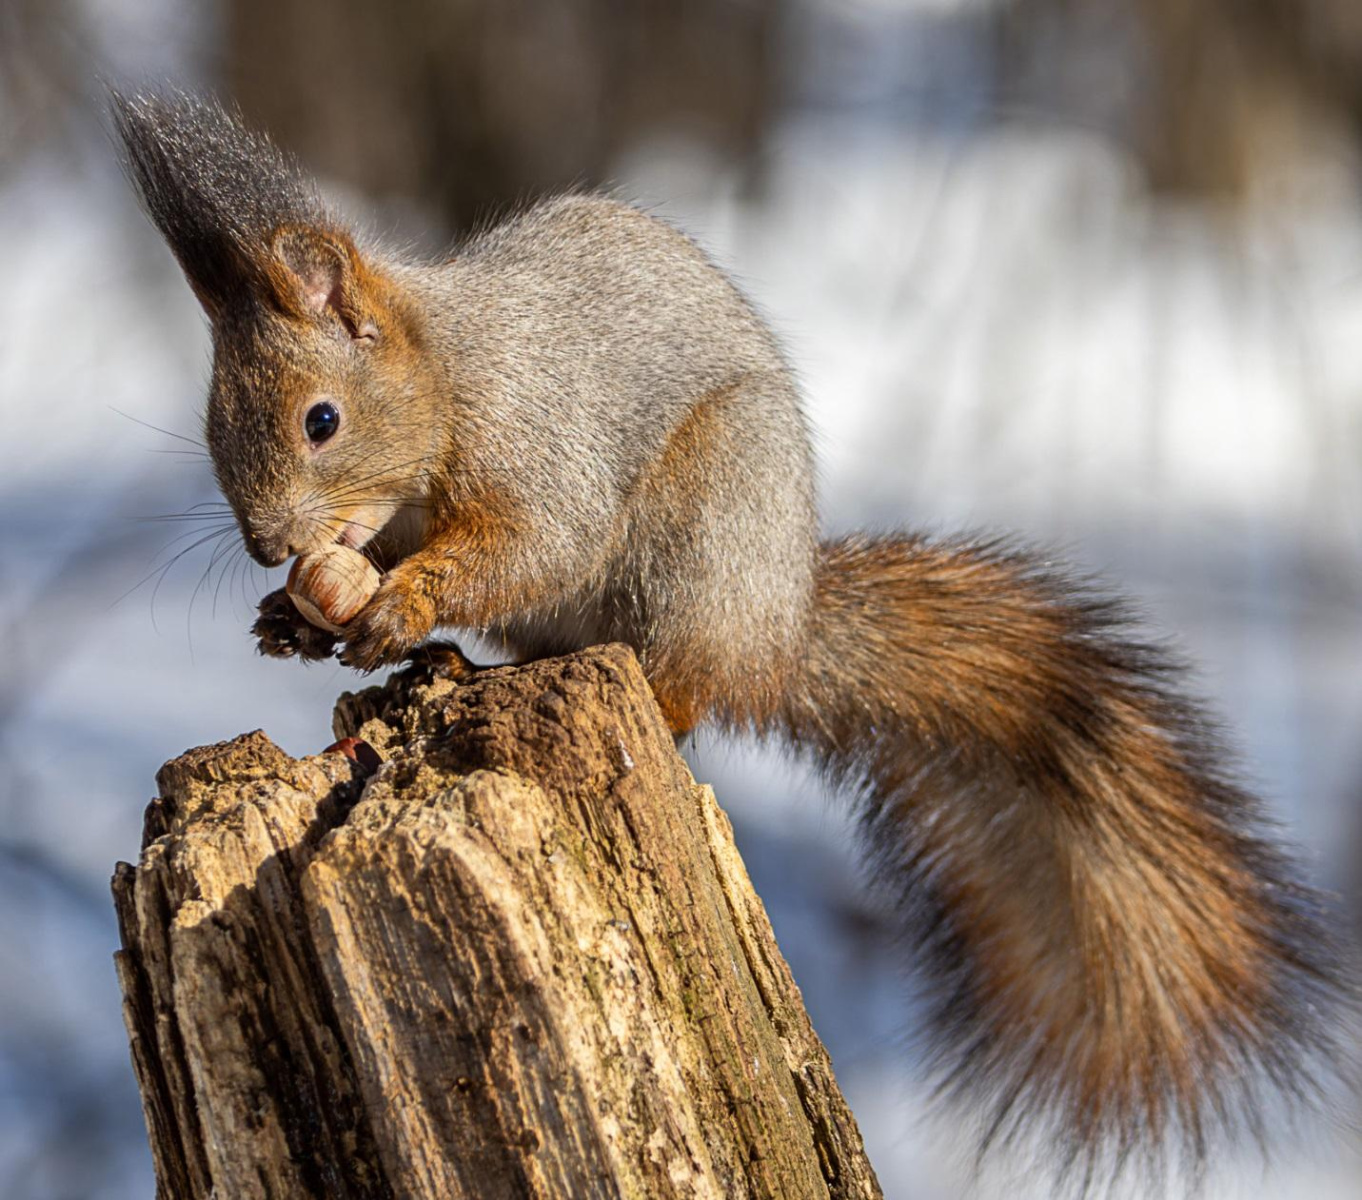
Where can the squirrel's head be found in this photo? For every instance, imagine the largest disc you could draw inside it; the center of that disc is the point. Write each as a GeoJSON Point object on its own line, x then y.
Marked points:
{"type": "Point", "coordinates": [319, 416]}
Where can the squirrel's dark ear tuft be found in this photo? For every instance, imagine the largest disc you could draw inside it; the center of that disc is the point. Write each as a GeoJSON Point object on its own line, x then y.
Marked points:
{"type": "Point", "coordinates": [318, 273]}
{"type": "Point", "coordinates": [215, 189]}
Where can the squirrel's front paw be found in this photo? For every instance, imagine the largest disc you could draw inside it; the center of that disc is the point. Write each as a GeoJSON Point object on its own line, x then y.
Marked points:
{"type": "Point", "coordinates": [385, 631]}
{"type": "Point", "coordinates": [283, 632]}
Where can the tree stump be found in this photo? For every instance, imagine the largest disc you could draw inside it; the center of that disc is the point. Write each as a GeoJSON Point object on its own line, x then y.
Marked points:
{"type": "Point", "coordinates": [518, 957]}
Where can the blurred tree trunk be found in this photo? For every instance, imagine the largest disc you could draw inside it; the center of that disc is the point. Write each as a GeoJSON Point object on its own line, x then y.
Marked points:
{"type": "Point", "coordinates": [521, 958]}
{"type": "Point", "coordinates": [471, 105]}
{"type": "Point", "coordinates": [1214, 92]}
{"type": "Point", "coordinates": [45, 69]}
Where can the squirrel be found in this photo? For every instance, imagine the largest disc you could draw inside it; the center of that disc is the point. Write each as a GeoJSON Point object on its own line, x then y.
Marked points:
{"type": "Point", "coordinates": [575, 430]}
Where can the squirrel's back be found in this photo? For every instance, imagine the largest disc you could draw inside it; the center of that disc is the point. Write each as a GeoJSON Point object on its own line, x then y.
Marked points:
{"type": "Point", "coordinates": [605, 298]}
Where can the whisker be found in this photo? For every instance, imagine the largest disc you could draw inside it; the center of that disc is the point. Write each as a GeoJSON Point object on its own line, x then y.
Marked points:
{"type": "Point", "coordinates": [345, 486]}
{"type": "Point", "coordinates": [346, 489]}
{"type": "Point", "coordinates": [248, 571]}
{"type": "Point", "coordinates": [181, 537]}
{"type": "Point", "coordinates": [235, 586]}
{"type": "Point", "coordinates": [181, 518]}
{"type": "Point", "coordinates": [204, 511]}
{"type": "Point", "coordinates": [213, 559]}
{"type": "Point", "coordinates": [206, 577]}
{"type": "Point", "coordinates": [222, 577]}
{"type": "Point", "coordinates": [234, 580]}
{"type": "Point", "coordinates": [180, 437]}
{"type": "Point", "coordinates": [160, 573]}
{"type": "Point", "coordinates": [363, 493]}
{"type": "Point", "coordinates": [328, 516]}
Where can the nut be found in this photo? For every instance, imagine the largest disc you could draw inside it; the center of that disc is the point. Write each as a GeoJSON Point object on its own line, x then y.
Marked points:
{"type": "Point", "coordinates": [359, 752]}
{"type": "Point", "coordinates": [331, 586]}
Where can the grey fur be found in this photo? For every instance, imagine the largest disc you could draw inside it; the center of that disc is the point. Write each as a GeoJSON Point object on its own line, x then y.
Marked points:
{"type": "Point", "coordinates": [576, 375]}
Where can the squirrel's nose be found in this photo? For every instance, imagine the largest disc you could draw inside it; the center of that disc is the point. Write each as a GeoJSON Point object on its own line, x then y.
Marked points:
{"type": "Point", "coordinates": [267, 551]}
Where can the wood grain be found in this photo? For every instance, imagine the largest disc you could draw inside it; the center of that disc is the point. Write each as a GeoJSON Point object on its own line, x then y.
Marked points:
{"type": "Point", "coordinates": [522, 958]}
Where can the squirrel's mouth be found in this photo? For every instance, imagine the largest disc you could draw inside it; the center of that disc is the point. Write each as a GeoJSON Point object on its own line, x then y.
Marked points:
{"type": "Point", "coordinates": [354, 535]}
{"type": "Point", "coordinates": [367, 524]}
{"type": "Point", "coordinates": [402, 527]}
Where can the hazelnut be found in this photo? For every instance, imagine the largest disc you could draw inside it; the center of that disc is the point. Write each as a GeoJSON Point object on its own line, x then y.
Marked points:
{"type": "Point", "coordinates": [331, 586]}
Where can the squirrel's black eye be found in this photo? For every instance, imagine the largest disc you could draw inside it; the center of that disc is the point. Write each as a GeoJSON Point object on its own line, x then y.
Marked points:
{"type": "Point", "coordinates": [321, 422]}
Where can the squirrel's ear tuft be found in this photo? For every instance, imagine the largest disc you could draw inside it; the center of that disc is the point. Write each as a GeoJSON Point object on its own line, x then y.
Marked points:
{"type": "Point", "coordinates": [215, 189]}
{"type": "Point", "coordinates": [318, 273]}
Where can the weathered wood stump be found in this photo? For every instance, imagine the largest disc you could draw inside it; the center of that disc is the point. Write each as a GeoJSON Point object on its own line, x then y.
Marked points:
{"type": "Point", "coordinates": [520, 958]}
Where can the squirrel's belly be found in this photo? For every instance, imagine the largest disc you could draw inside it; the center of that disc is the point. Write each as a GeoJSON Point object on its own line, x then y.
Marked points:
{"type": "Point", "coordinates": [561, 630]}
{"type": "Point", "coordinates": [405, 532]}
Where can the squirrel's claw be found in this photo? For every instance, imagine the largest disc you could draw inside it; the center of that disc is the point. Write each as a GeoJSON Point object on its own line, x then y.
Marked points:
{"type": "Point", "coordinates": [281, 631]}
{"type": "Point", "coordinates": [369, 652]}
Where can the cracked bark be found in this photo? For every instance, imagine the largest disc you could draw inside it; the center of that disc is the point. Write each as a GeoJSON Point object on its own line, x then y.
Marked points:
{"type": "Point", "coordinates": [522, 958]}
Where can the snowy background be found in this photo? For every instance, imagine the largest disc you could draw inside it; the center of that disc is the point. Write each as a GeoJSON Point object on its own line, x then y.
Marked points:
{"type": "Point", "coordinates": [1003, 314]}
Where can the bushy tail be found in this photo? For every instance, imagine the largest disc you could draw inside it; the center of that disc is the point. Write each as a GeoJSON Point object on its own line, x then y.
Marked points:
{"type": "Point", "coordinates": [1120, 955]}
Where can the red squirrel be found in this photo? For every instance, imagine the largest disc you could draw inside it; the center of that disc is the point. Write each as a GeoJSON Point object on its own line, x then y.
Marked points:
{"type": "Point", "coordinates": [577, 430]}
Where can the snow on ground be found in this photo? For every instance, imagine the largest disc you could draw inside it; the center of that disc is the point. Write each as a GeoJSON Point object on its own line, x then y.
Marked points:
{"type": "Point", "coordinates": [994, 331]}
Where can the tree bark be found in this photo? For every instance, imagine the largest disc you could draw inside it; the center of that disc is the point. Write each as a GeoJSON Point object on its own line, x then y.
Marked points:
{"type": "Point", "coordinates": [520, 957]}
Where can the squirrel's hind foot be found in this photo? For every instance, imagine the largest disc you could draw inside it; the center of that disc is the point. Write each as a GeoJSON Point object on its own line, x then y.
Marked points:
{"type": "Point", "coordinates": [438, 660]}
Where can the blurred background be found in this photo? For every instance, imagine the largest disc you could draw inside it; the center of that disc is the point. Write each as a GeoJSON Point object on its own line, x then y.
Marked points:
{"type": "Point", "coordinates": [1090, 270]}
